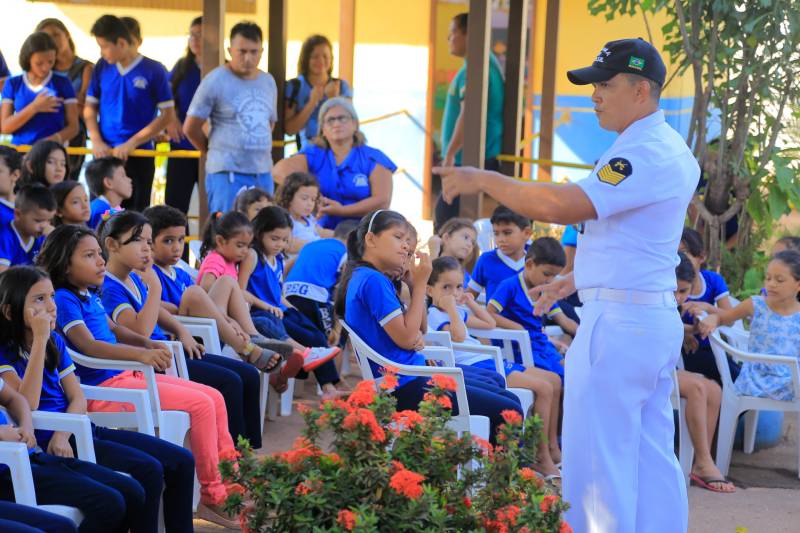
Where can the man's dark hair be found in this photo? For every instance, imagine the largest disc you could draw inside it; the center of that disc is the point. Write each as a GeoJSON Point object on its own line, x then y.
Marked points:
{"type": "Point", "coordinates": [111, 29]}
{"type": "Point", "coordinates": [36, 42]}
{"type": "Point", "coordinates": [655, 88]}
{"type": "Point", "coordinates": [461, 21]}
{"type": "Point", "coordinates": [134, 28]}
{"type": "Point", "coordinates": [504, 215]}
{"type": "Point", "coordinates": [98, 170]}
{"type": "Point", "coordinates": [685, 270]}
{"type": "Point", "coordinates": [546, 251]}
{"type": "Point", "coordinates": [162, 217]}
{"type": "Point", "coordinates": [249, 30]}
{"type": "Point", "coordinates": [34, 196]}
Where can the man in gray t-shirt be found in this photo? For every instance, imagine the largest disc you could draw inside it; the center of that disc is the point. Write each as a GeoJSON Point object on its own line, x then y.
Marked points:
{"type": "Point", "coordinates": [240, 103]}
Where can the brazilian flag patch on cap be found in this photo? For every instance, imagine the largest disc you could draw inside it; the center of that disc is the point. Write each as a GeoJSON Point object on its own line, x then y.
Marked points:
{"type": "Point", "coordinates": [615, 171]}
{"type": "Point", "coordinates": [636, 63]}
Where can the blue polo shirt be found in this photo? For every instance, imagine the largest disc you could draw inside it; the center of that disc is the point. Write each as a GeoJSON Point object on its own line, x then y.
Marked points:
{"type": "Point", "coordinates": [492, 268]}
{"type": "Point", "coordinates": [266, 281]}
{"type": "Point", "coordinates": [513, 302]}
{"type": "Point", "coordinates": [52, 397]}
{"type": "Point", "coordinates": [370, 304]}
{"type": "Point", "coordinates": [98, 206]}
{"type": "Point", "coordinates": [316, 270]}
{"type": "Point", "coordinates": [184, 93]}
{"type": "Point", "coordinates": [14, 250]}
{"type": "Point", "coordinates": [301, 100]}
{"type": "Point", "coordinates": [20, 93]}
{"type": "Point", "coordinates": [85, 309]}
{"type": "Point", "coordinates": [6, 211]}
{"type": "Point", "coordinates": [118, 297]}
{"type": "Point", "coordinates": [174, 282]}
{"type": "Point", "coordinates": [128, 99]}
{"type": "Point", "coordinates": [347, 183]}
{"type": "Point", "coordinates": [713, 288]}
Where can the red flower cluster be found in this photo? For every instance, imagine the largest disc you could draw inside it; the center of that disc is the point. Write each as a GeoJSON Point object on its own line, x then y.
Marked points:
{"type": "Point", "coordinates": [363, 395]}
{"type": "Point", "coordinates": [389, 382]}
{"type": "Point", "coordinates": [565, 528]}
{"type": "Point", "coordinates": [230, 454]}
{"type": "Point", "coordinates": [301, 450]}
{"type": "Point", "coordinates": [527, 474]}
{"type": "Point", "coordinates": [302, 489]}
{"type": "Point", "coordinates": [547, 503]}
{"type": "Point", "coordinates": [443, 382]}
{"type": "Point", "coordinates": [407, 483]}
{"type": "Point", "coordinates": [508, 514]}
{"type": "Point", "coordinates": [346, 519]}
{"type": "Point", "coordinates": [365, 417]}
{"type": "Point", "coordinates": [444, 401]}
{"type": "Point", "coordinates": [483, 444]}
{"type": "Point", "coordinates": [234, 488]}
{"type": "Point", "coordinates": [511, 417]}
{"type": "Point", "coordinates": [407, 419]}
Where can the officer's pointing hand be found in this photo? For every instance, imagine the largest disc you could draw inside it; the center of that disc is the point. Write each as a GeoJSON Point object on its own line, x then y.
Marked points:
{"type": "Point", "coordinates": [457, 181]}
{"type": "Point", "coordinates": [547, 295]}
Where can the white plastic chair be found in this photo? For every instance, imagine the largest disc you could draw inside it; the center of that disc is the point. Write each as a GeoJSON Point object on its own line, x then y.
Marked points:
{"type": "Point", "coordinates": [485, 240]}
{"type": "Point", "coordinates": [734, 404]}
{"type": "Point", "coordinates": [15, 456]}
{"type": "Point", "coordinates": [508, 337]}
{"type": "Point", "coordinates": [443, 339]}
{"type": "Point", "coordinates": [463, 422]}
{"type": "Point", "coordinates": [206, 330]}
{"type": "Point", "coordinates": [194, 250]}
{"type": "Point", "coordinates": [685, 446]}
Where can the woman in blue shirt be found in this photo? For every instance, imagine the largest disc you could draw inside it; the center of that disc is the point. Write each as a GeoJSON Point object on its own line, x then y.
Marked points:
{"type": "Point", "coordinates": [38, 104]}
{"type": "Point", "coordinates": [79, 73]}
{"type": "Point", "coordinates": [313, 85]}
{"type": "Point", "coordinates": [354, 179]}
{"type": "Point", "coordinates": [184, 78]}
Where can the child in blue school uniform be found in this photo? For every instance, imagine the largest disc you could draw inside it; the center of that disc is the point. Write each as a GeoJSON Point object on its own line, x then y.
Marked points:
{"type": "Point", "coordinates": [512, 303]}
{"type": "Point", "coordinates": [299, 195]}
{"type": "Point", "coordinates": [22, 238]}
{"type": "Point", "coordinates": [39, 104]}
{"type": "Point", "coordinates": [131, 95]}
{"type": "Point", "coordinates": [34, 361]}
{"type": "Point", "coordinates": [73, 258]}
{"type": "Point", "coordinates": [131, 296]}
{"type": "Point", "coordinates": [261, 275]}
{"type": "Point", "coordinates": [368, 302]}
{"type": "Point", "coordinates": [310, 284]}
{"type": "Point", "coordinates": [72, 203]}
{"type": "Point", "coordinates": [109, 184]}
{"type": "Point", "coordinates": [46, 164]}
{"type": "Point", "coordinates": [456, 238]}
{"type": "Point", "coordinates": [708, 287]}
{"type": "Point", "coordinates": [454, 310]}
{"type": "Point", "coordinates": [10, 168]}
{"type": "Point", "coordinates": [512, 233]}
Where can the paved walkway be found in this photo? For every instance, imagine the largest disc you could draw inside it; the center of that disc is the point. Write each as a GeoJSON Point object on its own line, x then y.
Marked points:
{"type": "Point", "coordinates": [767, 497]}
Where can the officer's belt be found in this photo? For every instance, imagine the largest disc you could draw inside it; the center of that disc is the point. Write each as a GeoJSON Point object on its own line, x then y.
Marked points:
{"type": "Point", "coordinates": [625, 296]}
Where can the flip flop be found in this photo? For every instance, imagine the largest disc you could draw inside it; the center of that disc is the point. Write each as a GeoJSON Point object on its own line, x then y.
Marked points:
{"type": "Point", "coordinates": [211, 515]}
{"type": "Point", "coordinates": [274, 345]}
{"type": "Point", "coordinates": [267, 362]}
{"type": "Point", "coordinates": [706, 483]}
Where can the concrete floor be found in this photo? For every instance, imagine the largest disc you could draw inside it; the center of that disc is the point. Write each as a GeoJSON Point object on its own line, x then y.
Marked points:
{"type": "Point", "coordinates": [767, 497]}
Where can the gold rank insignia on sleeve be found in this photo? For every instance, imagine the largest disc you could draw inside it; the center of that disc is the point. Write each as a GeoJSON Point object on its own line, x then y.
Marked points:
{"type": "Point", "coordinates": [615, 171]}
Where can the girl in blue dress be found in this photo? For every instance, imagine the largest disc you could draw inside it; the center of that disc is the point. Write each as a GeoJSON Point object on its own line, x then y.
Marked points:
{"type": "Point", "coordinates": [774, 329]}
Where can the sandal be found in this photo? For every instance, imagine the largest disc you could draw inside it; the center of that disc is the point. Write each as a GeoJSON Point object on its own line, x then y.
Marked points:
{"type": "Point", "coordinates": [293, 365]}
{"type": "Point", "coordinates": [267, 362]}
{"type": "Point", "coordinates": [273, 345]}
{"type": "Point", "coordinates": [706, 483]}
{"type": "Point", "coordinates": [215, 516]}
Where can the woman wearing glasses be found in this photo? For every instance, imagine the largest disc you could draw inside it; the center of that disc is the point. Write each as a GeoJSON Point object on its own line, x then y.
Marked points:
{"type": "Point", "coordinates": [354, 179]}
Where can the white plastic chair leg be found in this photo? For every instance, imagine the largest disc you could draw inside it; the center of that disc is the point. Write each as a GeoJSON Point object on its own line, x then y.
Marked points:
{"type": "Point", "coordinates": [750, 426]}
{"type": "Point", "coordinates": [686, 448]}
{"type": "Point", "coordinates": [525, 397]}
{"type": "Point", "coordinates": [727, 431]}
{"type": "Point", "coordinates": [287, 398]}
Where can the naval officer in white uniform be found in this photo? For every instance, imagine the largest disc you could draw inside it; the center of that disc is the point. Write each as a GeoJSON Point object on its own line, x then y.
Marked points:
{"type": "Point", "coordinates": [620, 473]}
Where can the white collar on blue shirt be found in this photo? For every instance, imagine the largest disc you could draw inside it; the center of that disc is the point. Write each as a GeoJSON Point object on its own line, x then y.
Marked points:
{"type": "Point", "coordinates": [521, 278]}
{"type": "Point", "coordinates": [124, 70]}
{"type": "Point", "coordinates": [169, 271]}
{"type": "Point", "coordinates": [510, 263]}
{"type": "Point", "coordinates": [25, 246]}
{"type": "Point", "coordinates": [136, 295]}
{"type": "Point", "coordinates": [36, 88]}
{"type": "Point", "coordinates": [7, 203]}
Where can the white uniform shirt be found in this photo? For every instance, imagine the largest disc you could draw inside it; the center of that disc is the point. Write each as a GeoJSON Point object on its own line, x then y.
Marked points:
{"type": "Point", "coordinates": [640, 188]}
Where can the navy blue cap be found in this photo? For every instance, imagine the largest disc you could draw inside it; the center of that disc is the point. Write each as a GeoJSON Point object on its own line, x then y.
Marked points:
{"type": "Point", "coordinates": [631, 56]}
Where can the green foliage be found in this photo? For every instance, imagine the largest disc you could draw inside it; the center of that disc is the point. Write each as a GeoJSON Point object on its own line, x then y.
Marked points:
{"type": "Point", "coordinates": [394, 471]}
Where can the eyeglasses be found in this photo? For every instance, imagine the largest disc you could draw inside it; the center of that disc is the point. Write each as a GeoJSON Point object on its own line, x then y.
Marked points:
{"type": "Point", "coordinates": [342, 119]}
{"type": "Point", "coordinates": [195, 36]}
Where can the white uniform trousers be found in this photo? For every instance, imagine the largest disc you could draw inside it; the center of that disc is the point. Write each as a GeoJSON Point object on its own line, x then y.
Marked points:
{"type": "Point", "coordinates": [620, 473]}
